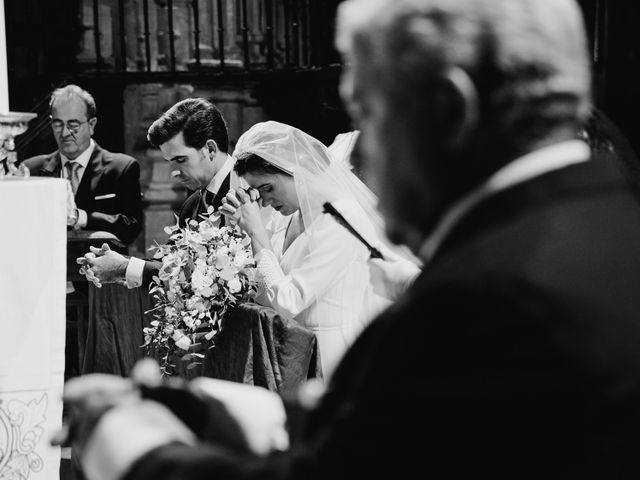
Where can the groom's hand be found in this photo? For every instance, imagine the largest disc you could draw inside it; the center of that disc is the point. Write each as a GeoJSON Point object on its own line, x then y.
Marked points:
{"type": "Point", "coordinates": [103, 265]}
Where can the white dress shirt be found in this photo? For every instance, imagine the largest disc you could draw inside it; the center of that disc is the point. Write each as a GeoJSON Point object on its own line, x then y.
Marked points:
{"type": "Point", "coordinates": [83, 161]}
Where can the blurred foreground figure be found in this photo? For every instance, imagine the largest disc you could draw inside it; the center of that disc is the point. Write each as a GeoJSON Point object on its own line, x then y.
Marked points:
{"type": "Point", "coordinates": [516, 353]}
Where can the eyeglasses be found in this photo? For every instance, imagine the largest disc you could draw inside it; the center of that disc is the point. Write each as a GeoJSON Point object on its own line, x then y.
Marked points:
{"type": "Point", "coordinates": [72, 125]}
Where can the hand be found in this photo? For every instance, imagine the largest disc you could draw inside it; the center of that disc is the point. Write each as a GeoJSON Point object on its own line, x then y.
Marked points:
{"type": "Point", "coordinates": [241, 207]}
{"type": "Point", "coordinates": [111, 424]}
{"type": "Point", "coordinates": [234, 419]}
{"type": "Point", "coordinates": [88, 398]}
{"type": "Point", "coordinates": [103, 265]}
{"type": "Point", "coordinates": [392, 276]}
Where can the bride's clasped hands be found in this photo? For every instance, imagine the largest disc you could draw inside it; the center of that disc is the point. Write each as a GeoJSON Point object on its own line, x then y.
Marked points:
{"type": "Point", "coordinates": [242, 207]}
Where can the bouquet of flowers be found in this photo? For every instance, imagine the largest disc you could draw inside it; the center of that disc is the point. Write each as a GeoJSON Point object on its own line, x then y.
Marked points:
{"type": "Point", "coordinates": [205, 270]}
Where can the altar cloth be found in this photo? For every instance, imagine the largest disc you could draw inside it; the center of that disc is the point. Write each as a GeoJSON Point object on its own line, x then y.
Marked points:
{"type": "Point", "coordinates": [33, 239]}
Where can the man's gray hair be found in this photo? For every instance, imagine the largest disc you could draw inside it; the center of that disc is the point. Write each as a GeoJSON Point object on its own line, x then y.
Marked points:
{"type": "Point", "coordinates": [528, 58]}
{"type": "Point", "coordinates": [69, 91]}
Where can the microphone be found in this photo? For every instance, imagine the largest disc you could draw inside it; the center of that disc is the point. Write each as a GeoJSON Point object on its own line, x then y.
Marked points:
{"type": "Point", "coordinates": [330, 209]}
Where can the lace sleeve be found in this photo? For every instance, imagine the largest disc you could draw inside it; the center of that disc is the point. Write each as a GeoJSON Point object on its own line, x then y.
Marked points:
{"type": "Point", "coordinates": [268, 270]}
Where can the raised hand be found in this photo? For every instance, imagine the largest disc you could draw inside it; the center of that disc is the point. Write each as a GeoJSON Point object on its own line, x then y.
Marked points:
{"type": "Point", "coordinates": [242, 207]}
{"type": "Point", "coordinates": [393, 275]}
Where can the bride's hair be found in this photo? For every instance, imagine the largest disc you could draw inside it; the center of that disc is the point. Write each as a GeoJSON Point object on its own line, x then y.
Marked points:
{"type": "Point", "coordinates": [247, 162]}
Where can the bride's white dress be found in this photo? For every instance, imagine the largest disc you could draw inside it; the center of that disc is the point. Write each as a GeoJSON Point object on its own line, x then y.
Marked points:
{"type": "Point", "coordinates": [325, 288]}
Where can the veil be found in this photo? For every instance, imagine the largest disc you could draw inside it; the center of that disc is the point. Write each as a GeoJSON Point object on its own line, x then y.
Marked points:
{"type": "Point", "coordinates": [321, 174]}
{"type": "Point", "coordinates": [343, 145]}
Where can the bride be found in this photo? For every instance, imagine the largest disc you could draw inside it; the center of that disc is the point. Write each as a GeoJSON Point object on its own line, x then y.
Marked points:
{"type": "Point", "coordinates": [309, 267]}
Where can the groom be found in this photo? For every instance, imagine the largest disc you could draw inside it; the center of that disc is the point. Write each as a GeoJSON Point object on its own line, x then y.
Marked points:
{"type": "Point", "coordinates": [193, 136]}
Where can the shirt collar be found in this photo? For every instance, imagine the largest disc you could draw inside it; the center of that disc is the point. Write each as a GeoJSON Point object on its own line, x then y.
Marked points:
{"type": "Point", "coordinates": [219, 177]}
{"type": "Point", "coordinates": [525, 168]}
{"type": "Point", "coordinates": [83, 158]}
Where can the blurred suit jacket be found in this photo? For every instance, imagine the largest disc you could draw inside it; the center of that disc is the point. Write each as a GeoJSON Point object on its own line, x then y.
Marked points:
{"type": "Point", "coordinates": [515, 353]}
{"type": "Point", "coordinates": [114, 175]}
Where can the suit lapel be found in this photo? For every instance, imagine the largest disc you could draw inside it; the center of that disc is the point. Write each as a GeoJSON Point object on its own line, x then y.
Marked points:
{"type": "Point", "coordinates": [190, 208]}
{"type": "Point", "coordinates": [222, 192]}
{"type": "Point", "coordinates": [194, 206]}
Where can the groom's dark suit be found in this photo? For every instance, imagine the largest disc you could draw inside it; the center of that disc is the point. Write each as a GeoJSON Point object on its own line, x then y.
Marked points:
{"type": "Point", "coordinates": [191, 209]}
{"type": "Point", "coordinates": [109, 190]}
{"type": "Point", "coordinates": [516, 353]}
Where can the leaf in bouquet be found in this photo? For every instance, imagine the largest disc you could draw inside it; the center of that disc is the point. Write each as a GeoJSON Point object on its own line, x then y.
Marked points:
{"type": "Point", "coordinates": [246, 240]}
{"type": "Point", "coordinates": [171, 229]}
{"type": "Point", "coordinates": [183, 342]}
{"type": "Point", "coordinates": [171, 296]}
{"type": "Point", "coordinates": [193, 365]}
{"type": "Point", "coordinates": [188, 268]}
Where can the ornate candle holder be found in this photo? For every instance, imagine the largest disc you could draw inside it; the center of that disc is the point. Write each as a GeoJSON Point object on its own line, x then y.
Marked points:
{"type": "Point", "coordinates": [12, 124]}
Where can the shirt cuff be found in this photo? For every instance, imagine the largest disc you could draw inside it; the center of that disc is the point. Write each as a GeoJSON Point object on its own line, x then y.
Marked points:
{"type": "Point", "coordinates": [133, 274]}
{"type": "Point", "coordinates": [82, 219]}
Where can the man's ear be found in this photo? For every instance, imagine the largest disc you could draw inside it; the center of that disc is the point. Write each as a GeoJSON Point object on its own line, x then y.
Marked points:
{"type": "Point", "coordinates": [211, 146]}
{"type": "Point", "coordinates": [458, 107]}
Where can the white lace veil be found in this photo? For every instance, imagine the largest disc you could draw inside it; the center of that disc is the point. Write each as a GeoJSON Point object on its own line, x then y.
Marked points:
{"type": "Point", "coordinates": [321, 174]}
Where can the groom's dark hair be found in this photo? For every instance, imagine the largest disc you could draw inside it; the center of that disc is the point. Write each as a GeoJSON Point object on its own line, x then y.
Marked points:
{"type": "Point", "coordinates": [197, 118]}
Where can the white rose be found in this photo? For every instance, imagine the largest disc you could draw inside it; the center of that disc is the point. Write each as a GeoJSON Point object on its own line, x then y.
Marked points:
{"type": "Point", "coordinates": [235, 285]}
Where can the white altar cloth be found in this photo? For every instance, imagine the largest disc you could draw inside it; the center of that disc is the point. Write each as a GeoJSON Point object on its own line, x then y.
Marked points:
{"type": "Point", "coordinates": [32, 322]}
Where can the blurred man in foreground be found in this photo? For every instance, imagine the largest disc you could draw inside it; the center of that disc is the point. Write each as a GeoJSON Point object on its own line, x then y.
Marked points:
{"type": "Point", "coordinates": [515, 353]}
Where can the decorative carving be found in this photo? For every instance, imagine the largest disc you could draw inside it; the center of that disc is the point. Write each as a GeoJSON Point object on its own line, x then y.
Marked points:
{"type": "Point", "coordinates": [21, 430]}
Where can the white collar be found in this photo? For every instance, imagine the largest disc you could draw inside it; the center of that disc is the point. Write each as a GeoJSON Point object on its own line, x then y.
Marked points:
{"type": "Point", "coordinates": [525, 168]}
{"type": "Point", "coordinates": [218, 178]}
{"type": "Point", "coordinates": [83, 158]}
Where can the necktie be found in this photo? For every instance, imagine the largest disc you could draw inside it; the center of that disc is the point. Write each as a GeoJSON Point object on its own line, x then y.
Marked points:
{"type": "Point", "coordinates": [73, 169]}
